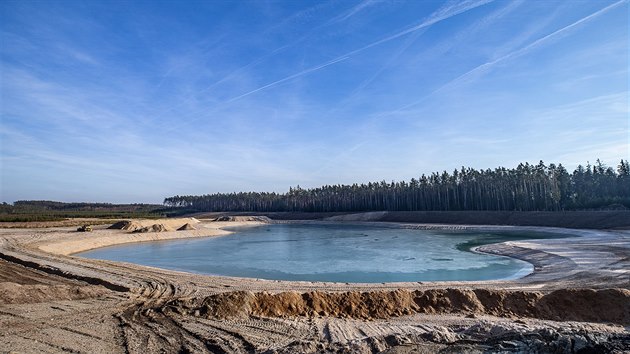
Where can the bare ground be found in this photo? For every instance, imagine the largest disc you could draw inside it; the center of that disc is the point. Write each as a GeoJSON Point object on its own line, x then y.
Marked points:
{"type": "Point", "coordinates": [577, 300]}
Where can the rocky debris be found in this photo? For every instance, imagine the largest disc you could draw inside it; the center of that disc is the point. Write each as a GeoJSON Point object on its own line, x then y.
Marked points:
{"type": "Point", "coordinates": [483, 339]}
{"type": "Point", "coordinates": [524, 339]}
{"type": "Point", "coordinates": [152, 228]}
{"type": "Point", "coordinates": [186, 226]}
{"type": "Point", "coordinates": [492, 338]}
{"type": "Point", "coordinates": [606, 305]}
{"type": "Point", "coordinates": [441, 335]}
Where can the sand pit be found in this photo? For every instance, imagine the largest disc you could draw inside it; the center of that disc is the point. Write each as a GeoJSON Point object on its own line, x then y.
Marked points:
{"type": "Point", "coordinates": [564, 306]}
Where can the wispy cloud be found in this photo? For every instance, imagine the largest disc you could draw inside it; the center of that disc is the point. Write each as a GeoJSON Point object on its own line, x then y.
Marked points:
{"type": "Point", "coordinates": [485, 67]}
{"type": "Point", "coordinates": [480, 70]}
{"type": "Point", "coordinates": [286, 24]}
{"type": "Point", "coordinates": [356, 9]}
{"type": "Point", "coordinates": [444, 13]}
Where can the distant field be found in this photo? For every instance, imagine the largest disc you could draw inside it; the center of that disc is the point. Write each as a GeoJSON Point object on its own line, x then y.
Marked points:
{"type": "Point", "coordinates": [58, 212]}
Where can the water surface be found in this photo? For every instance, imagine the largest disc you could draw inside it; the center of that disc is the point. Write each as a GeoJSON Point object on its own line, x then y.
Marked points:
{"type": "Point", "coordinates": [338, 252]}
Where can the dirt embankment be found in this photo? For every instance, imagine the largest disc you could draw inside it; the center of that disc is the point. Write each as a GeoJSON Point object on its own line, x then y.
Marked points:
{"type": "Point", "coordinates": [567, 219]}
{"type": "Point", "coordinates": [606, 305]}
{"type": "Point", "coordinates": [605, 219]}
{"type": "Point", "coordinates": [24, 285]}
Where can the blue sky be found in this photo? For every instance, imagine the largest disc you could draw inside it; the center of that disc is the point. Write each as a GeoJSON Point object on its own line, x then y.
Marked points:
{"type": "Point", "coordinates": [135, 101]}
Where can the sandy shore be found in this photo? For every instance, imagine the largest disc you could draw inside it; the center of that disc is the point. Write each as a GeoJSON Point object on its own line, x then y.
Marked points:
{"type": "Point", "coordinates": [73, 242]}
{"type": "Point", "coordinates": [51, 301]}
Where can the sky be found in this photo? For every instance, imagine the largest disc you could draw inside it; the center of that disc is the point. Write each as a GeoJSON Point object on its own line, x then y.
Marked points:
{"type": "Point", "coordinates": [135, 101]}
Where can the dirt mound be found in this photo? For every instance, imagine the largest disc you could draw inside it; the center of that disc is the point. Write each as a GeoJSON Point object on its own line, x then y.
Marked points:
{"type": "Point", "coordinates": [153, 228]}
{"type": "Point", "coordinates": [243, 218]}
{"type": "Point", "coordinates": [607, 305]}
{"type": "Point", "coordinates": [128, 225]}
{"type": "Point", "coordinates": [12, 293]}
{"type": "Point", "coordinates": [186, 226]}
{"type": "Point", "coordinates": [148, 224]}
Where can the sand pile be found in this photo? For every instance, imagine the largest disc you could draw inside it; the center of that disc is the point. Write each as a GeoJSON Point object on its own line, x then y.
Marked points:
{"type": "Point", "coordinates": [606, 305]}
{"type": "Point", "coordinates": [186, 226]}
{"type": "Point", "coordinates": [155, 225]}
{"type": "Point", "coordinates": [128, 225]}
{"type": "Point", "coordinates": [153, 228]}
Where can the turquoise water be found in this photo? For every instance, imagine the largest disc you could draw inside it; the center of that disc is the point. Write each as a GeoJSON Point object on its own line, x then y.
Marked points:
{"type": "Point", "coordinates": [336, 253]}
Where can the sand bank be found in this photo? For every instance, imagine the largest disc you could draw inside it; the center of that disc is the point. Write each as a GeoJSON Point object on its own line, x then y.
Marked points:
{"type": "Point", "coordinates": [75, 242]}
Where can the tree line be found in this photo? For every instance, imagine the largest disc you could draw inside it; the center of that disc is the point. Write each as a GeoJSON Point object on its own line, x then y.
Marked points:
{"type": "Point", "coordinates": [47, 210]}
{"type": "Point", "coordinates": [528, 187]}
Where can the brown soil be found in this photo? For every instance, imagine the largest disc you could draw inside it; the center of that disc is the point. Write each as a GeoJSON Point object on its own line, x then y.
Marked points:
{"type": "Point", "coordinates": [23, 285]}
{"type": "Point", "coordinates": [12, 293]}
{"type": "Point", "coordinates": [605, 305]}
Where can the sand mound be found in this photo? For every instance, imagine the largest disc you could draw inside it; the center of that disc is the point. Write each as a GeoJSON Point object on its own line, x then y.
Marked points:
{"type": "Point", "coordinates": [128, 225]}
{"type": "Point", "coordinates": [153, 228]}
{"type": "Point", "coordinates": [186, 226]}
{"type": "Point", "coordinates": [12, 293]}
{"type": "Point", "coordinates": [155, 225]}
{"type": "Point", "coordinates": [243, 218]}
{"type": "Point", "coordinates": [607, 305]}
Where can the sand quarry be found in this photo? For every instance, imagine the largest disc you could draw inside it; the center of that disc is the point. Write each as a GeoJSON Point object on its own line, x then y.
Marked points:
{"type": "Point", "coordinates": [576, 301]}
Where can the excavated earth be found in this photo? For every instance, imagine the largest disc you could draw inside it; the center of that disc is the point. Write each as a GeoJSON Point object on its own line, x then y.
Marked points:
{"type": "Point", "coordinates": [576, 301]}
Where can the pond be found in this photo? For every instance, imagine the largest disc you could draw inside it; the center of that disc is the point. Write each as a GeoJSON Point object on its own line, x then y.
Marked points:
{"type": "Point", "coordinates": [332, 253]}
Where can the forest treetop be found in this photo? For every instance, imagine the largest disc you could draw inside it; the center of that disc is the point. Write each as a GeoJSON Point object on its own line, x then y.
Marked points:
{"type": "Point", "coordinates": [528, 187]}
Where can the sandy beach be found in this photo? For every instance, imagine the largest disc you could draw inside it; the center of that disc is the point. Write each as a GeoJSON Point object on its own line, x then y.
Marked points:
{"type": "Point", "coordinates": [52, 301]}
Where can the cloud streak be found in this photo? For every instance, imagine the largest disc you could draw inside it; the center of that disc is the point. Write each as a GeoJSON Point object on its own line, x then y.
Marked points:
{"type": "Point", "coordinates": [479, 70]}
{"type": "Point", "coordinates": [444, 13]}
{"type": "Point", "coordinates": [483, 68]}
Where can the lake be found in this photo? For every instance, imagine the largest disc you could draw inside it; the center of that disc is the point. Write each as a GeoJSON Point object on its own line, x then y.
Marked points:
{"type": "Point", "coordinates": [332, 253]}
